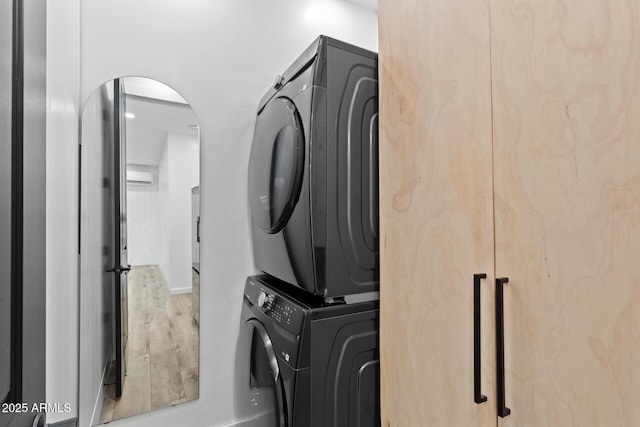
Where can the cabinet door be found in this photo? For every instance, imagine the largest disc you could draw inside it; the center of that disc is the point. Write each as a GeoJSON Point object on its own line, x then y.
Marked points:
{"type": "Point", "coordinates": [436, 207]}
{"type": "Point", "coordinates": [566, 96]}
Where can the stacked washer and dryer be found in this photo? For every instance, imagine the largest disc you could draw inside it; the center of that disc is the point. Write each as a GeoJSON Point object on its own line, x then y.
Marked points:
{"type": "Point", "coordinates": [308, 349]}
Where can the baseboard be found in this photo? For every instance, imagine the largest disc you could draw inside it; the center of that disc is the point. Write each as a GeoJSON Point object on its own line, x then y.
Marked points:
{"type": "Point", "coordinates": [180, 291]}
{"type": "Point", "coordinates": [97, 406]}
{"type": "Point", "coordinates": [73, 422]}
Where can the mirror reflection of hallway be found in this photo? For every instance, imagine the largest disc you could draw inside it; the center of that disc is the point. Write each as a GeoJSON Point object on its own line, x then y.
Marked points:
{"type": "Point", "coordinates": [154, 340]}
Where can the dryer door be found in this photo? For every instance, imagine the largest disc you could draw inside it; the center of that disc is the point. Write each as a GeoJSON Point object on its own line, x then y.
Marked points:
{"type": "Point", "coordinates": [276, 165]}
{"type": "Point", "coordinates": [259, 388]}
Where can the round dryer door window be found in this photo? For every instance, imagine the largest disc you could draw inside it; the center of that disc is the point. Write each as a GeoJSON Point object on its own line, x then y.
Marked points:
{"type": "Point", "coordinates": [276, 165]}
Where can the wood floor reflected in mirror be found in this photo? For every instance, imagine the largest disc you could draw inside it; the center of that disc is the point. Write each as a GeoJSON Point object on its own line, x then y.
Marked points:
{"type": "Point", "coordinates": [163, 339]}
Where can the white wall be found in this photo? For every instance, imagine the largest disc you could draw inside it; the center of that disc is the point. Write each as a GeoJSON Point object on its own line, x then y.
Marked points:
{"type": "Point", "coordinates": [63, 111]}
{"type": "Point", "coordinates": [221, 56]}
{"type": "Point", "coordinates": [143, 223]}
{"type": "Point", "coordinates": [178, 173]}
{"type": "Point", "coordinates": [184, 174]}
{"type": "Point", "coordinates": [163, 214]}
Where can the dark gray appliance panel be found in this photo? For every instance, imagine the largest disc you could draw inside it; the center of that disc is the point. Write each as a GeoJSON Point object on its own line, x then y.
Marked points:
{"type": "Point", "coordinates": [345, 368]}
{"type": "Point", "coordinates": [352, 178]}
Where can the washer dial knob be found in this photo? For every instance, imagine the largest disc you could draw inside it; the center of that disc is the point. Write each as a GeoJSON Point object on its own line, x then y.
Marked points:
{"type": "Point", "coordinates": [264, 298]}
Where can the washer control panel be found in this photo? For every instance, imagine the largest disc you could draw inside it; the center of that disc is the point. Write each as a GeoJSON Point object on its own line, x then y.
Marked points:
{"type": "Point", "coordinates": [274, 305]}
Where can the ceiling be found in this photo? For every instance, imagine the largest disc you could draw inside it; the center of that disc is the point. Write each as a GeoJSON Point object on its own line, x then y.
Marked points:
{"type": "Point", "coordinates": [157, 110]}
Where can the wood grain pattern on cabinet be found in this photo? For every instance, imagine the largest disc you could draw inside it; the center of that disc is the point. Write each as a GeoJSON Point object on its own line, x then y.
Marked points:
{"type": "Point", "coordinates": [566, 97]}
{"type": "Point", "coordinates": [523, 115]}
{"type": "Point", "coordinates": [436, 211]}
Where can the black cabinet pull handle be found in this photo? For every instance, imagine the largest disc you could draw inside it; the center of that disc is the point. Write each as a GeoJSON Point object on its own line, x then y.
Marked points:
{"type": "Point", "coordinates": [477, 386]}
{"type": "Point", "coordinates": [503, 411]}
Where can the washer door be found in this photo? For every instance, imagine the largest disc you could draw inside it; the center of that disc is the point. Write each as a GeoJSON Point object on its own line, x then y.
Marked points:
{"type": "Point", "coordinates": [261, 396]}
{"type": "Point", "coordinates": [276, 165]}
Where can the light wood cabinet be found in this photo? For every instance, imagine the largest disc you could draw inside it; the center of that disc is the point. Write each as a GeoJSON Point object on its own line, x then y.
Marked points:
{"type": "Point", "coordinates": [510, 146]}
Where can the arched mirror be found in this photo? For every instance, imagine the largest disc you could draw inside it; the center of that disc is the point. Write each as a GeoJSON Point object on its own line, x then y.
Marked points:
{"type": "Point", "coordinates": [139, 250]}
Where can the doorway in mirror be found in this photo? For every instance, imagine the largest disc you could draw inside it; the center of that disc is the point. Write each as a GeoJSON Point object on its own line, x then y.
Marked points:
{"type": "Point", "coordinates": [139, 231]}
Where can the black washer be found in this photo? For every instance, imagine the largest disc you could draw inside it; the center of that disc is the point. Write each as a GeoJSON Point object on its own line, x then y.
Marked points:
{"type": "Point", "coordinates": [303, 363]}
